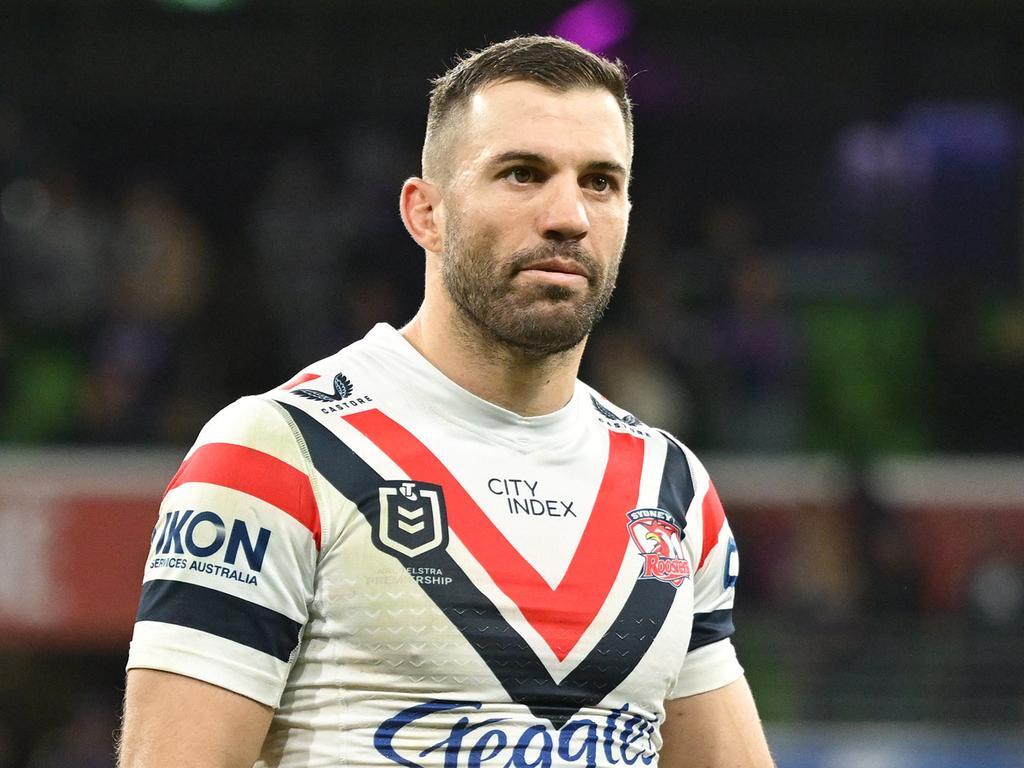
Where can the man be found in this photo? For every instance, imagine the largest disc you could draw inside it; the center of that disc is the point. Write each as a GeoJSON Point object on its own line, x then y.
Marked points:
{"type": "Point", "coordinates": [437, 547]}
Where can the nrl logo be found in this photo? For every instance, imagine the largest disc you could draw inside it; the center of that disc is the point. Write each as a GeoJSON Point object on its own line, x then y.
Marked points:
{"type": "Point", "coordinates": [412, 520]}
{"type": "Point", "coordinates": [342, 390]}
{"type": "Point", "coordinates": [660, 540]}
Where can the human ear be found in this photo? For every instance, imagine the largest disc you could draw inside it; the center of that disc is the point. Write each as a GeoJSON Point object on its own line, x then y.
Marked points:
{"type": "Point", "coordinates": [419, 204]}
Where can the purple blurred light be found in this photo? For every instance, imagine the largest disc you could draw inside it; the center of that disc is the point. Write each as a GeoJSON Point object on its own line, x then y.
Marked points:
{"type": "Point", "coordinates": [596, 25]}
{"type": "Point", "coordinates": [976, 131]}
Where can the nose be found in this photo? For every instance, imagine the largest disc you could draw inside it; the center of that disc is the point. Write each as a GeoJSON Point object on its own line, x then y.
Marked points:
{"type": "Point", "coordinates": [564, 215]}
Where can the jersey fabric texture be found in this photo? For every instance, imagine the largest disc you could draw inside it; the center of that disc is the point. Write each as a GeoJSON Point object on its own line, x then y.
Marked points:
{"type": "Point", "coordinates": [413, 576]}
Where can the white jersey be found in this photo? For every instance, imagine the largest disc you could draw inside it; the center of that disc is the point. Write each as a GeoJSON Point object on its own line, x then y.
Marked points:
{"type": "Point", "coordinates": [413, 576]}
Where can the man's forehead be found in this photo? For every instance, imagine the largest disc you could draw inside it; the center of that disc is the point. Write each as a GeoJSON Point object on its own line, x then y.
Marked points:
{"type": "Point", "coordinates": [518, 112]}
{"type": "Point", "coordinates": [533, 100]}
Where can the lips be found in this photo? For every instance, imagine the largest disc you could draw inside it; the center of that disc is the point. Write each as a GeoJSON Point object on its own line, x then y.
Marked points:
{"type": "Point", "coordinates": [558, 265]}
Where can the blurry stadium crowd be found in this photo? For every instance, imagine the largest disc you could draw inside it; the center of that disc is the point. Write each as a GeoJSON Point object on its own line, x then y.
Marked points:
{"type": "Point", "coordinates": [123, 321]}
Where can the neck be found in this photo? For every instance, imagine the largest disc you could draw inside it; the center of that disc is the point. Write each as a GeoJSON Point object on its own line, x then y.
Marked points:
{"type": "Point", "coordinates": [508, 377]}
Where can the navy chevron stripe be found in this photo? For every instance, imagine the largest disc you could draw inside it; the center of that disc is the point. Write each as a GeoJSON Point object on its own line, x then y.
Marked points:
{"type": "Point", "coordinates": [676, 492]}
{"type": "Point", "coordinates": [502, 648]}
{"type": "Point", "coordinates": [221, 614]}
{"type": "Point", "coordinates": [707, 627]}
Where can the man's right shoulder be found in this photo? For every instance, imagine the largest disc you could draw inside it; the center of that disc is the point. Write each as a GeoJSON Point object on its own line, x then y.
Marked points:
{"type": "Point", "coordinates": [250, 425]}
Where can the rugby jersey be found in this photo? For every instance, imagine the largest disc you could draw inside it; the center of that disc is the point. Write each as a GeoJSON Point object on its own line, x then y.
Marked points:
{"type": "Point", "coordinates": [413, 576]}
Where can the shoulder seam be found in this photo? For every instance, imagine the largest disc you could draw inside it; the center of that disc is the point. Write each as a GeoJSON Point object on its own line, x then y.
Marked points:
{"type": "Point", "coordinates": [307, 460]}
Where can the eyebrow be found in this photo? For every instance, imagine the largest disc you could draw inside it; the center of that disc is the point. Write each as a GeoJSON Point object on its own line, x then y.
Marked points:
{"type": "Point", "coordinates": [520, 156]}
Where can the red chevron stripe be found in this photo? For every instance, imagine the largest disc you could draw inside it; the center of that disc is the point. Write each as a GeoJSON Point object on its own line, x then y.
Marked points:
{"type": "Point", "coordinates": [302, 378]}
{"type": "Point", "coordinates": [714, 518]}
{"type": "Point", "coordinates": [256, 473]}
{"type": "Point", "coordinates": [559, 615]}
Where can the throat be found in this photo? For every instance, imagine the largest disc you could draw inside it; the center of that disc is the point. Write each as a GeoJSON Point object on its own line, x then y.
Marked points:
{"type": "Point", "coordinates": [518, 380]}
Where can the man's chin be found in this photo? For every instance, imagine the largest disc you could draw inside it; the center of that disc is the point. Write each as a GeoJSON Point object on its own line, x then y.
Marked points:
{"type": "Point", "coordinates": [545, 330]}
{"type": "Point", "coordinates": [539, 346]}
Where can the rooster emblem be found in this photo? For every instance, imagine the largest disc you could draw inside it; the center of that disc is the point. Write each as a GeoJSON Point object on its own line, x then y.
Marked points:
{"type": "Point", "coordinates": [342, 390]}
{"type": "Point", "coordinates": [664, 538]}
{"type": "Point", "coordinates": [660, 540]}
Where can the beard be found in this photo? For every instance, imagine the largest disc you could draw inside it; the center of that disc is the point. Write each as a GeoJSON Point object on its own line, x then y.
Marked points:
{"type": "Point", "coordinates": [536, 319]}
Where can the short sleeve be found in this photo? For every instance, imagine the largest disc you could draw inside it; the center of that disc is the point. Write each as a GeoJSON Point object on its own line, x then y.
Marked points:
{"type": "Point", "coordinates": [230, 571]}
{"type": "Point", "coordinates": [710, 659]}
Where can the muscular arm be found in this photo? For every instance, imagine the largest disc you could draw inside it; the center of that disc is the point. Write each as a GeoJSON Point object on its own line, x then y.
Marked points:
{"type": "Point", "coordinates": [717, 729]}
{"type": "Point", "coordinates": [172, 721]}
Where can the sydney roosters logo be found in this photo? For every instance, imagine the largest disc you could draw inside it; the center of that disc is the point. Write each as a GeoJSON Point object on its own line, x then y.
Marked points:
{"type": "Point", "coordinates": [660, 541]}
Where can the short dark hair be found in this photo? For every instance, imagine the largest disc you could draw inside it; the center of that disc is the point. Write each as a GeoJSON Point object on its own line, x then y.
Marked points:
{"type": "Point", "coordinates": [548, 61]}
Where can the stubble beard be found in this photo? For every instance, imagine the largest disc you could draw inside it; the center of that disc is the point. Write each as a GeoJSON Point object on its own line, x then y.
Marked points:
{"type": "Point", "coordinates": [536, 321]}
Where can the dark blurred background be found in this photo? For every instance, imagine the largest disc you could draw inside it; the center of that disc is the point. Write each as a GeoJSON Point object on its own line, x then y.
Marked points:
{"type": "Point", "coordinates": [823, 295]}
